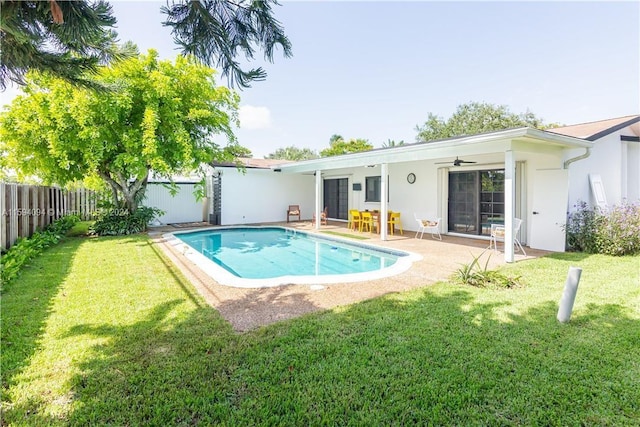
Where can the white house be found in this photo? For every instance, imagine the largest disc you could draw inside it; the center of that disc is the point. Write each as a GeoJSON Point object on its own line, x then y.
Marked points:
{"type": "Point", "coordinates": [614, 158]}
{"type": "Point", "coordinates": [467, 181]}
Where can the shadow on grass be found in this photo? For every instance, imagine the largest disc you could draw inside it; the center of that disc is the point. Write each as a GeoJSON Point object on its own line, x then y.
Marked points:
{"type": "Point", "coordinates": [26, 304]}
{"type": "Point", "coordinates": [438, 358]}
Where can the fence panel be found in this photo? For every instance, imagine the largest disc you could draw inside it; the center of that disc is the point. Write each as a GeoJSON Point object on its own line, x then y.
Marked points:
{"type": "Point", "coordinates": [24, 209]}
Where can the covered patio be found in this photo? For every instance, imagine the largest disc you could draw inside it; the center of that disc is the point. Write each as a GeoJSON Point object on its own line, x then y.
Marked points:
{"type": "Point", "coordinates": [529, 168]}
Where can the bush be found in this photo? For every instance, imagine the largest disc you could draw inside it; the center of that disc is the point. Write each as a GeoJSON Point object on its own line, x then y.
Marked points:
{"type": "Point", "coordinates": [26, 249]}
{"type": "Point", "coordinates": [475, 275]}
{"type": "Point", "coordinates": [119, 222]}
{"type": "Point", "coordinates": [613, 232]}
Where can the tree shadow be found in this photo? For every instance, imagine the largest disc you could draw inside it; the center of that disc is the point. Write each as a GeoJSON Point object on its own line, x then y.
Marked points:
{"type": "Point", "coordinates": [432, 356]}
{"type": "Point", "coordinates": [26, 304]}
{"type": "Point", "coordinates": [265, 306]}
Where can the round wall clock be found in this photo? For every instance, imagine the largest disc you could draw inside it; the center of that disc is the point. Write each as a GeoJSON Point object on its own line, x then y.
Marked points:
{"type": "Point", "coordinates": [411, 178]}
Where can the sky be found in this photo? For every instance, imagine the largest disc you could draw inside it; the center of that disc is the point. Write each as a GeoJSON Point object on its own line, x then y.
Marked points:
{"type": "Point", "coordinates": [375, 70]}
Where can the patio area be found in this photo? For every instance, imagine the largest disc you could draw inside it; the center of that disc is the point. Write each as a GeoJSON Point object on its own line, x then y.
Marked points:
{"type": "Point", "coordinates": [248, 309]}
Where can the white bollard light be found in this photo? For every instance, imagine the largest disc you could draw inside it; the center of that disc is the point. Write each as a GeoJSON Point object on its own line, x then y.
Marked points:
{"type": "Point", "coordinates": [569, 294]}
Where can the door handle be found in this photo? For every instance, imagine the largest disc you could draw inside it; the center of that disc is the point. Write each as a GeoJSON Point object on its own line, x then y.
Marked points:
{"type": "Point", "coordinates": [535, 212]}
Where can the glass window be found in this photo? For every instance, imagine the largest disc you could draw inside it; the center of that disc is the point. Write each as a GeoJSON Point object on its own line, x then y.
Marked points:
{"type": "Point", "coordinates": [372, 189]}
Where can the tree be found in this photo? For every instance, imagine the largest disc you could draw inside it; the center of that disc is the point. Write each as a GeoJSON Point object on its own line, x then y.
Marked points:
{"type": "Point", "coordinates": [215, 30]}
{"type": "Point", "coordinates": [240, 151]}
{"type": "Point", "coordinates": [165, 117]}
{"type": "Point", "coordinates": [338, 146]}
{"type": "Point", "coordinates": [392, 143]}
{"type": "Point", "coordinates": [67, 38]}
{"type": "Point", "coordinates": [70, 38]}
{"type": "Point", "coordinates": [474, 118]}
{"type": "Point", "coordinates": [293, 153]}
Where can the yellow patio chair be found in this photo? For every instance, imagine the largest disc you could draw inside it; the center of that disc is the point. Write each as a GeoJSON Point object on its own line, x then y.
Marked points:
{"type": "Point", "coordinates": [355, 220]}
{"type": "Point", "coordinates": [394, 219]}
{"type": "Point", "coordinates": [367, 222]}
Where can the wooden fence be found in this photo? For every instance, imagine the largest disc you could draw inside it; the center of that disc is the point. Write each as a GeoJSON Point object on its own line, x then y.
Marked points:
{"type": "Point", "coordinates": [28, 208]}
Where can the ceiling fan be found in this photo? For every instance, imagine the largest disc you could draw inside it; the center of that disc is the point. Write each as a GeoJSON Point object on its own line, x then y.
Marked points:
{"type": "Point", "coordinates": [456, 162]}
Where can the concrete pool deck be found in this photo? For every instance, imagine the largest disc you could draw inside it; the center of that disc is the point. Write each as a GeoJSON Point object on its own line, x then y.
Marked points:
{"type": "Point", "coordinates": [248, 309]}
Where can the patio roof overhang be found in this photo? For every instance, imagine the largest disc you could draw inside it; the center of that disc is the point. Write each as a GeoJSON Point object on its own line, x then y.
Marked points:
{"type": "Point", "coordinates": [520, 139]}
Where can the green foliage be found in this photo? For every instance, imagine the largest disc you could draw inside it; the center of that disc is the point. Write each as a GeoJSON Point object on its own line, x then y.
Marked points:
{"type": "Point", "coordinates": [612, 232]}
{"type": "Point", "coordinates": [216, 31]}
{"type": "Point", "coordinates": [240, 151]}
{"type": "Point", "coordinates": [293, 153]}
{"type": "Point", "coordinates": [392, 143]}
{"type": "Point", "coordinates": [120, 222]}
{"type": "Point", "coordinates": [65, 38]}
{"type": "Point", "coordinates": [480, 276]}
{"type": "Point", "coordinates": [165, 116]}
{"type": "Point", "coordinates": [25, 250]}
{"type": "Point", "coordinates": [474, 118]}
{"type": "Point", "coordinates": [338, 146]}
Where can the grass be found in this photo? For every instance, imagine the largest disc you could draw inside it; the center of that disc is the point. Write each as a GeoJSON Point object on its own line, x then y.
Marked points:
{"type": "Point", "coordinates": [350, 236]}
{"type": "Point", "coordinates": [80, 229]}
{"type": "Point", "coordinates": [130, 343]}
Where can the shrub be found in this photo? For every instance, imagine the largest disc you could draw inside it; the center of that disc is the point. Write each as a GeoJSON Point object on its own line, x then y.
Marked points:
{"type": "Point", "coordinates": [26, 249]}
{"type": "Point", "coordinates": [612, 232]}
{"type": "Point", "coordinates": [480, 276]}
{"type": "Point", "coordinates": [119, 222]}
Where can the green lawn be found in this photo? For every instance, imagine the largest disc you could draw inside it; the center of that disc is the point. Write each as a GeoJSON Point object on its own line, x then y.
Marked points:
{"type": "Point", "coordinates": [105, 331]}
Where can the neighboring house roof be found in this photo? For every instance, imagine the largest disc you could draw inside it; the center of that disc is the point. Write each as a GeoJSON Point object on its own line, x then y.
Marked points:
{"type": "Point", "coordinates": [452, 147]}
{"type": "Point", "coordinates": [596, 130]}
{"type": "Point", "coordinates": [252, 163]}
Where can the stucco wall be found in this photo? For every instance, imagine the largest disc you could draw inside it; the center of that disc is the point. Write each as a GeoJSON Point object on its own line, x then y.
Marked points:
{"type": "Point", "coordinates": [262, 195]}
{"type": "Point", "coordinates": [605, 160]}
{"type": "Point", "coordinates": [618, 164]}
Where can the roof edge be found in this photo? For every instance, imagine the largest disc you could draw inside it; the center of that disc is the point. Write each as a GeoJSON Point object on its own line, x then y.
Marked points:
{"type": "Point", "coordinates": [613, 129]}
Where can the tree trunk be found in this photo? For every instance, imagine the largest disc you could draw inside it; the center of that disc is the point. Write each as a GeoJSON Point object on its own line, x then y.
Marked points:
{"type": "Point", "coordinates": [120, 184]}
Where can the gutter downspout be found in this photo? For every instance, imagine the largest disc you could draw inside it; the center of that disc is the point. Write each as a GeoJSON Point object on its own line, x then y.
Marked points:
{"type": "Point", "coordinates": [586, 154]}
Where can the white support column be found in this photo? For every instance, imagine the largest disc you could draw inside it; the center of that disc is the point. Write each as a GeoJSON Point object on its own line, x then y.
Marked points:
{"type": "Point", "coordinates": [318, 207]}
{"type": "Point", "coordinates": [509, 204]}
{"type": "Point", "coordinates": [383, 201]}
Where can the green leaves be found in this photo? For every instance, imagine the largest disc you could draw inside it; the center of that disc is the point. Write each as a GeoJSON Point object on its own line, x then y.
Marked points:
{"type": "Point", "coordinates": [164, 116]}
{"type": "Point", "coordinates": [339, 146]}
{"type": "Point", "coordinates": [216, 32]}
{"type": "Point", "coordinates": [293, 153]}
{"type": "Point", "coordinates": [31, 40]}
{"type": "Point", "coordinates": [26, 249]}
{"type": "Point", "coordinates": [474, 118]}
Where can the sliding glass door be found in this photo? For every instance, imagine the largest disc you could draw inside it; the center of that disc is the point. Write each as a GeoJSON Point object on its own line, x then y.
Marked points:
{"type": "Point", "coordinates": [336, 198]}
{"type": "Point", "coordinates": [476, 200]}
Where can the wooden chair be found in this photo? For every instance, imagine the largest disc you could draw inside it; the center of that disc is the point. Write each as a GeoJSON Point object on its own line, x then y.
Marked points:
{"type": "Point", "coordinates": [355, 220]}
{"type": "Point", "coordinates": [323, 217]}
{"type": "Point", "coordinates": [294, 210]}
{"type": "Point", "coordinates": [394, 219]}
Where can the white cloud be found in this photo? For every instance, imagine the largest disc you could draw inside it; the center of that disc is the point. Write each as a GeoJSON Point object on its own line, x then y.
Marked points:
{"type": "Point", "coordinates": [254, 117]}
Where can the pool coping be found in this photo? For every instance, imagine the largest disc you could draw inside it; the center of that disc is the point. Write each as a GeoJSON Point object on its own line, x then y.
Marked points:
{"type": "Point", "coordinates": [224, 277]}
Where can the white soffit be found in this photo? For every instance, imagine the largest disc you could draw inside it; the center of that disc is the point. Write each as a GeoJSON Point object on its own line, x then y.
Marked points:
{"type": "Point", "coordinates": [461, 146]}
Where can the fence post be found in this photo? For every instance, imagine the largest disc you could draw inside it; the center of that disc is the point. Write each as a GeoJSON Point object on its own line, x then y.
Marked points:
{"type": "Point", "coordinates": [4, 217]}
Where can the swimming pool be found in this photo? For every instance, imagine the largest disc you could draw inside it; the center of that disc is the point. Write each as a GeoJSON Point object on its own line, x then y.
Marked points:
{"type": "Point", "coordinates": [272, 256]}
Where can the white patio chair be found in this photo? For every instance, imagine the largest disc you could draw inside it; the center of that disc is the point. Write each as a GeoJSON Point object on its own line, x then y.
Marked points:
{"type": "Point", "coordinates": [498, 232]}
{"type": "Point", "coordinates": [428, 225]}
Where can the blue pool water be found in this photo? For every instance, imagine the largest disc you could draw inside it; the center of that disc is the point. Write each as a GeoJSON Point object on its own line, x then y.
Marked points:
{"type": "Point", "coordinates": [274, 252]}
